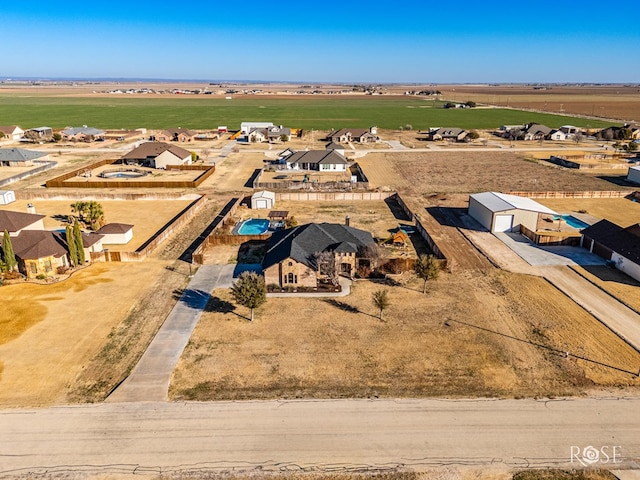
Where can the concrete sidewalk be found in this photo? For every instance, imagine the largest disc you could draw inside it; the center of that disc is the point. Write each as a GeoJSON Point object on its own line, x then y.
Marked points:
{"type": "Point", "coordinates": [149, 380]}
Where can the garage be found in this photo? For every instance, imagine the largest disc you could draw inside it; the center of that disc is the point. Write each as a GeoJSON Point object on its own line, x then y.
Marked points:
{"type": "Point", "coordinates": [503, 223]}
{"type": "Point", "coordinates": [263, 200]}
{"type": "Point", "coordinates": [501, 212]}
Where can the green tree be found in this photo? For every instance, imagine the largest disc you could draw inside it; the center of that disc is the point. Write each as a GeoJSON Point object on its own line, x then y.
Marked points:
{"type": "Point", "coordinates": [90, 213]}
{"type": "Point", "coordinates": [291, 222]}
{"type": "Point", "coordinates": [8, 256]}
{"type": "Point", "coordinates": [249, 290]}
{"type": "Point", "coordinates": [426, 268]}
{"type": "Point", "coordinates": [632, 147]}
{"type": "Point", "coordinates": [71, 245]}
{"type": "Point", "coordinates": [77, 239]}
{"type": "Point", "coordinates": [284, 138]}
{"type": "Point", "coordinates": [380, 299]}
{"type": "Point", "coordinates": [470, 104]}
{"type": "Point", "coordinates": [56, 137]}
{"type": "Point", "coordinates": [473, 135]}
{"type": "Point", "coordinates": [194, 157]}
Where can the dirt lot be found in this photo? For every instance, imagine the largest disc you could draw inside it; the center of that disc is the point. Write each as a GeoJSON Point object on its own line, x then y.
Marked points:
{"type": "Point", "coordinates": [152, 174]}
{"type": "Point", "coordinates": [606, 101]}
{"type": "Point", "coordinates": [234, 172]}
{"type": "Point", "coordinates": [469, 336]}
{"type": "Point", "coordinates": [455, 172]}
{"type": "Point", "coordinates": [147, 216]}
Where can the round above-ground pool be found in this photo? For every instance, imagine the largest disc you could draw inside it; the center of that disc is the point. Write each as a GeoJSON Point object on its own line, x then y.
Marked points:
{"type": "Point", "coordinates": [253, 226]}
{"type": "Point", "coordinates": [124, 174]}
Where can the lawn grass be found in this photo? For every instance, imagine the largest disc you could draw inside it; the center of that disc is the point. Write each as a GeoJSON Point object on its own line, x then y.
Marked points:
{"type": "Point", "coordinates": [387, 112]}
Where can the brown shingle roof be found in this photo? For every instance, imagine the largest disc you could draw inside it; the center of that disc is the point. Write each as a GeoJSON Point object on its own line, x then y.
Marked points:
{"type": "Point", "coordinates": [16, 221]}
{"type": "Point", "coordinates": [115, 228]}
{"type": "Point", "coordinates": [35, 244]}
{"type": "Point", "coordinates": [153, 149]}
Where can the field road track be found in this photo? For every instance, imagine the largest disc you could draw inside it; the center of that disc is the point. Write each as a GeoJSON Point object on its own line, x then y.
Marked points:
{"type": "Point", "coordinates": [164, 438]}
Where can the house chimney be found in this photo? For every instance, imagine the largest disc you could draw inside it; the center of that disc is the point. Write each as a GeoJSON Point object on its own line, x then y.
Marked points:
{"type": "Point", "coordinates": [31, 208]}
{"type": "Point", "coordinates": [347, 220]}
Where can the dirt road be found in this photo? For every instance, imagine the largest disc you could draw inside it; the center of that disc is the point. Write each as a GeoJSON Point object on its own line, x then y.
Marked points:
{"type": "Point", "coordinates": [277, 435]}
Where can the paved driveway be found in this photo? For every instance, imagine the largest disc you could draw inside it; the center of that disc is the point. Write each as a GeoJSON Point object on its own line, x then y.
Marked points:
{"type": "Point", "coordinates": [539, 255]}
{"type": "Point", "coordinates": [149, 380]}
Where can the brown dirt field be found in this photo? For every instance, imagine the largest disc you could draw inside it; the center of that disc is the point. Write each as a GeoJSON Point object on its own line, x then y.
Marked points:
{"type": "Point", "coordinates": [428, 344]}
{"type": "Point", "coordinates": [232, 173]}
{"type": "Point", "coordinates": [147, 216]}
{"type": "Point", "coordinates": [49, 333]}
{"type": "Point", "coordinates": [617, 210]}
{"type": "Point", "coordinates": [618, 284]}
{"type": "Point", "coordinates": [607, 101]}
{"type": "Point", "coordinates": [153, 175]}
{"type": "Point", "coordinates": [454, 172]}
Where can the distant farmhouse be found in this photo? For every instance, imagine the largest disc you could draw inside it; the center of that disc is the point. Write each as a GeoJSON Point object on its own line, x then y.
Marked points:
{"type": "Point", "coordinates": [82, 134]}
{"type": "Point", "coordinates": [181, 135]}
{"type": "Point", "coordinates": [272, 134]}
{"type": "Point", "coordinates": [532, 131]}
{"type": "Point", "coordinates": [455, 134]}
{"type": "Point", "coordinates": [12, 132]}
{"type": "Point", "coordinates": [320, 160]}
{"type": "Point", "coordinates": [18, 157]}
{"type": "Point", "coordinates": [157, 155]}
{"type": "Point", "coordinates": [39, 134]}
{"type": "Point", "coordinates": [291, 255]}
{"type": "Point", "coordinates": [359, 135]}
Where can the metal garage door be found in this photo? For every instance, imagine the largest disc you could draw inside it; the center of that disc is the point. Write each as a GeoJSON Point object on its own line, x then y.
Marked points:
{"type": "Point", "coordinates": [503, 223]}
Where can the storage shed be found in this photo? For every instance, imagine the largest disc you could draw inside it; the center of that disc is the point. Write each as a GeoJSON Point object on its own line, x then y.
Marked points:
{"type": "Point", "coordinates": [500, 212]}
{"type": "Point", "coordinates": [7, 197]}
{"type": "Point", "coordinates": [634, 175]}
{"type": "Point", "coordinates": [263, 199]}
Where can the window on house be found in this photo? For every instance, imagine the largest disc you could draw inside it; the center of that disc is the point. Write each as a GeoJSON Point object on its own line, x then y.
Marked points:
{"type": "Point", "coordinates": [47, 265]}
{"type": "Point", "coordinates": [34, 268]}
{"type": "Point", "coordinates": [292, 278]}
{"type": "Point", "coordinates": [291, 264]}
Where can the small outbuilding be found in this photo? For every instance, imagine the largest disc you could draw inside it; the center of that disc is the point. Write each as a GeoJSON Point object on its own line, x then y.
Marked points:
{"type": "Point", "coordinates": [263, 200]}
{"type": "Point", "coordinates": [500, 212]}
{"type": "Point", "coordinates": [116, 233]}
{"type": "Point", "coordinates": [634, 175]}
{"type": "Point", "coordinates": [7, 197]}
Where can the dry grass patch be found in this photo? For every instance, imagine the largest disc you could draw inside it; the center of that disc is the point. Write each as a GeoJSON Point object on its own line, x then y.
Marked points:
{"type": "Point", "coordinates": [621, 211]}
{"type": "Point", "coordinates": [146, 216]}
{"type": "Point", "coordinates": [429, 345]}
{"type": "Point", "coordinates": [473, 171]}
{"type": "Point", "coordinates": [49, 333]}
{"type": "Point", "coordinates": [234, 171]}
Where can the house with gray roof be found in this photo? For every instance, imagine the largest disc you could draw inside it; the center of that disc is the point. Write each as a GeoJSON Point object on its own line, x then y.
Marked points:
{"type": "Point", "coordinates": [448, 133]}
{"type": "Point", "coordinates": [82, 134]}
{"type": "Point", "coordinates": [321, 160]}
{"type": "Point", "coordinates": [621, 246]}
{"type": "Point", "coordinates": [360, 135]}
{"type": "Point", "coordinates": [537, 132]}
{"type": "Point", "coordinates": [291, 259]}
{"type": "Point", "coordinates": [19, 157]}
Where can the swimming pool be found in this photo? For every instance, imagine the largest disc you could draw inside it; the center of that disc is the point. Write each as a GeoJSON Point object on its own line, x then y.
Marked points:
{"type": "Point", "coordinates": [124, 174]}
{"type": "Point", "coordinates": [572, 221]}
{"type": "Point", "coordinates": [254, 226]}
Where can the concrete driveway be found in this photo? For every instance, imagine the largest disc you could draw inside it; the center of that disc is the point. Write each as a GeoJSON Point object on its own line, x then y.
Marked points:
{"type": "Point", "coordinates": [149, 380]}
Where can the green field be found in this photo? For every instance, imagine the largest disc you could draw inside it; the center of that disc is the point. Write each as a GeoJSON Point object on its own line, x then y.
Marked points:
{"type": "Point", "coordinates": [309, 112]}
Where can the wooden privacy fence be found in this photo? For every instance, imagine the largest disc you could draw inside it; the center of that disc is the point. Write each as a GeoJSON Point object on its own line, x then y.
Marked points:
{"type": "Point", "coordinates": [63, 181]}
{"type": "Point", "coordinates": [586, 194]}
{"type": "Point", "coordinates": [346, 196]}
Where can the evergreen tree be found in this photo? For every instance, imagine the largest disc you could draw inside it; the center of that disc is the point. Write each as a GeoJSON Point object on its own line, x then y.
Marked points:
{"type": "Point", "coordinates": [77, 238]}
{"type": "Point", "coordinates": [71, 245]}
{"type": "Point", "coordinates": [8, 256]}
{"type": "Point", "coordinates": [249, 290]}
{"type": "Point", "coordinates": [380, 299]}
{"type": "Point", "coordinates": [427, 268]}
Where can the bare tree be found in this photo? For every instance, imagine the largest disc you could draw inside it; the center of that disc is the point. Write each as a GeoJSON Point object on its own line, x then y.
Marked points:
{"type": "Point", "coordinates": [326, 264]}
{"type": "Point", "coordinates": [373, 253]}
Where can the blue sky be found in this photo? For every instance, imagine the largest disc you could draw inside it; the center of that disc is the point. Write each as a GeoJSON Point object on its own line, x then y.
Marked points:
{"type": "Point", "coordinates": [375, 41]}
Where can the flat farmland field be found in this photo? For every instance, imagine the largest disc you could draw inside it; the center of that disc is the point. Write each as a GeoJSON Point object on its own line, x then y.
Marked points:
{"type": "Point", "coordinates": [470, 172]}
{"type": "Point", "coordinates": [605, 101]}
{"type": "Point", "coordinates": [324, 112]}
